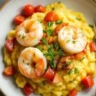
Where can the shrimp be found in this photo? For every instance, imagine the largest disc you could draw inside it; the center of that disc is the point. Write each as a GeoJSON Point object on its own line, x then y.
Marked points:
{"type": "Point", "coordinates": [29, 33]}
{"type": "Point", "coordinates": [71, 39]}
{"type": "Point", "coordinates": [32, 63]}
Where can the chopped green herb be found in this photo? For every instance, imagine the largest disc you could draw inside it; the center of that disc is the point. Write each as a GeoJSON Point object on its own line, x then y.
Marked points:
{"type": "Point", "coordinates": [56, 46]}
{"type": "Point", "coordinates": [49, 32]}
{"type": "Point", "coordinates": [91, 26]}
{"type": "Point", "coordinates": [39, 47]}
{"type": "Point", "coordinates": [27, 63]}
{"type": "Point", "coordinates": [74, 42]}
{"type": "Point", "coordinates": [82, 58]}
{"type": "Point", "coordinates": [78, 18]}
{"type": "Point", "coordinates": [75, 70]}
{"type": "Point", "coordinates": [60, 52]}
{"type": "Point", "coordinates": [49, 24]}
{"type": "Point", "coordinates": [70, 71]}
{"type": "Point", "coordinates": [44, 31]}
{"type": "Point", "coordinates": [23, 36]}
{"type": "Point", "coordinates": [23, 61]}
{"type": "Point", "coordinates": [68, 41]}
{"type": "Point", "coordinates": [69, 62]}
{"type": "Point", "coordinates": [53, 8]}
{"type": "Point", "coordinates": [52, 63]}
{"type": "Point", "coordinates": [44, 41]}
{"type": "Point", "coordinates": [43, 82]}
{"type": "Point", "coordinates": [58, 21]}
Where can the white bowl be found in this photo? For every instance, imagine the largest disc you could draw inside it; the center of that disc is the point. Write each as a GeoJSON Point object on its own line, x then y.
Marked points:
{"type": "Point", "coordinates": [7, 85]}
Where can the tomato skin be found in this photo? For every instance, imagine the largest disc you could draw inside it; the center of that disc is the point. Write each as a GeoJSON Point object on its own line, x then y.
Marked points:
{"type": "Point", "coordinates": [28, 10]}
{"type": "Point", "coordinates": [73, 92]}
{"type": "Point", "coordinates": [19, 19]}
{"type": "Point", "coordinates": [78, 56]}
{"type": "Point", "coordinates": [93, 46]}
{"type": "Point", "coordinates": [57, 78]}
{"type": "Point", "coordinates": [51, 16]}
{"type": "Point", "coordinates": [88, 81]}
{"type": "Point", "coordinates": [28, 89]}
{"type": "Point", "coordinates": [58, 27]}
{"type": "Point", "coordinates": [9, 71]}
{"type": "Point", "coordinates": [9, 44]}
{"type": "Point", "coordinates": [49, 75]}
{"type": "Point", "coordinates": [39, 8]}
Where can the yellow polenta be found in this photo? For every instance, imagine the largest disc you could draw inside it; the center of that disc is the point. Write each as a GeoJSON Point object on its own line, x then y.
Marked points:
{"type": "Point", "coordinates": [84, 66]}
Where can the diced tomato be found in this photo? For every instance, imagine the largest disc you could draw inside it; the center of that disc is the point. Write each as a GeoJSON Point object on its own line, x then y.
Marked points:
{"type": "Point", "coordinates": [88, 81]}
{"type": "Point", "coordinates": [73, 92]}
{"type": "Point", "coordinates": [49, 75]}
{"type": "Point", "coordinates": [93, 46]}
{"type": "Point", "coordinates": [9, 44]}
{"type": "Point", "coordinates": [28, 89]}
{"type": "Point", "coordinates": [39, 8]}
{"type": "Point", "coordinates": [57, 78]}
{"type": "Point", "coordinates": [58, 27]}
{"type": "Point", "coordinates": [51, 16]}
{"type": "Point", "coordinates": [78, 56]}
{"type": "Point", "coordinates": [28, 10]}
{"type": "Point", "coordinates": [19, 19]}
{"type": "Point", "coordinates": [9, 71]}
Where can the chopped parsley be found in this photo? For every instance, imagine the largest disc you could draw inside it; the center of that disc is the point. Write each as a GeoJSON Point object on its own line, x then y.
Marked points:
{"type": "Point", "coordinates": [82, 58]}
{"type": "Point", "coordinates": [74, 42]}
{"type": "Point", "coordinates": [68, 41]}
{"type": "Point", "coordinates": [91, 26]}
{"type": "Point", "coordinates": [78, 19]}
{"type": "Point", "coordinates": [53, 8]}
{"type": "Point", "coordinates": [23, 36]}
{"type": "Point", "coordinates": [70, 71]}
{"type": "Point", "coordinates": [75, 70]}
{"type": "Point", "coordinates": [44, 41]}
{"type": "Point", "coordinates": [56, 46]}
{"type": "Point", "coordinates": [58, 21]}
{"type": "Point", "coordinates": [69, 62]}
{"type": "Point", "coordinates": [49, 24]}
{"type": "Point", "coordinates": [49, 32]}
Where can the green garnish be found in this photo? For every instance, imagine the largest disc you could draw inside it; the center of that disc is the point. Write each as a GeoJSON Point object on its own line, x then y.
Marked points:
{"type": "Point", "coordinates": [56, 46]}
{"type": "Point", "coordinates": [91, 26]}
{"type": "Point", "coordinates": [44, 31]}
{"type": "Point", "coordinates": [23, 36]}
{"type": "Point", "coordinates": [58, 21]}
{"type": "Point", "coordinates": [70, 71]}
{"type": "Point", "coordinates": [68, 41]}
{"type": "Point", "coordinates": [52, 63]}
{"type": "Point", "coordinates": [44, 41]}
{"type": "Point", "coordinates": [75, 70]}
{"type": "Point", "coordinates": [82, 58]}
{"type": "Point", "coordinates": [78, 18]}
{"type": "Point", "coordinates": [60, 52]}
{"type": "Point", "coordinates": [49, 24]}
{"type": "Point", "coordinates": [43, 82]}
{"type": "Point", "coordinates": [69, 62]}
{"type": "Point", "coordinates": [74, 42]}
{"type": "Point", "coordinates": [39, 47]}
{"type": "Point", "coordinates": [49, 32]}
{"type": "Point", "coordinates": [53, 8]}
{"type": "Point", "coordinates": [27, 63]}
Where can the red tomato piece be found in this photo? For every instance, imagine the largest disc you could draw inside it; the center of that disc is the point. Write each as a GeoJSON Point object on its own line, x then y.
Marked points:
{"type": "Point", "coordinates": [9, 44]}
{"type": "Point", "coordinates": [49, 75]}
{"type": "Point", "coordinates": [51, 16]}
{"type": "Point", "coordinates": [9, 71]}
{"type": "Point", "coordinates": [19, 19]}
{"type": "Point", "coordinates": [93, 46]}
{"type": "Point", "coordinates": [78, 56]}
{"type": "Point", "coordinates": [39, 8]}
{"type": "Point", "coordinates": [57, 78]}
{"type": "Point", "coordinates": [88, 81]}
{"type": "Point", "coordinates": [73, 92]}
{"type": "Point", "coordinates": [28, 89]}
{"type": "Point", "coordinates": [28, 10]}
